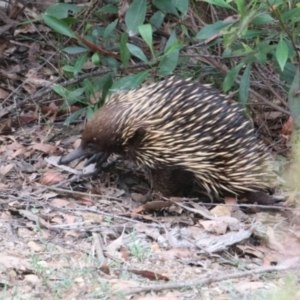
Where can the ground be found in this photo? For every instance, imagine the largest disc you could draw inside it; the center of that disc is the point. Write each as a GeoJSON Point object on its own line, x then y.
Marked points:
{"type": "Point", "coordinates": [64, 236]}
{"type": "Point", "coordinates": [107, 236]}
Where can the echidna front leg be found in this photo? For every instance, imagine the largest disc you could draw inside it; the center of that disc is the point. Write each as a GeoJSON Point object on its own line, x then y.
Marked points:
{"type": "Point", "coordinates": [98, 158]}
{"type": "Point", "coordinates": [259, 197]}
{"type": "Point", "coordinates": [171, 182]}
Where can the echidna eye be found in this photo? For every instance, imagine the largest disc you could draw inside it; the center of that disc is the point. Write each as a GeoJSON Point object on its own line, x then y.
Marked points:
{"type": "Point", "coordinates": [91, 146]}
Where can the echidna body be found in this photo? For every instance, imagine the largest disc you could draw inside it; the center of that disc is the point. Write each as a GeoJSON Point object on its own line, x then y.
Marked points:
{"type": "Point", "coordinates": [180, 131]}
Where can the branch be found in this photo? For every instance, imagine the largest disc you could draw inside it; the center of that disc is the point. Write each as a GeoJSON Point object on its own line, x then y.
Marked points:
{"type": "Point", "coordinates": [288, 265]}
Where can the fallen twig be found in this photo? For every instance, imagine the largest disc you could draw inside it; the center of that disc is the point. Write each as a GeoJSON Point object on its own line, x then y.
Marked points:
{"type": "Point", "coordinates": [288, 265]}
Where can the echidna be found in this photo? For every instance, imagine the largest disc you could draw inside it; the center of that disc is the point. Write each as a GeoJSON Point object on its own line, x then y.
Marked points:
{"type": "Point", "coordinates": [182, 133]}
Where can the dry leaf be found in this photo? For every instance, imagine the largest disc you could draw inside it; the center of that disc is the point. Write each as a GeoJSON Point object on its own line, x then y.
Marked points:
{"type": "Point", "coordinates": [51, 177]}
{"type": "Point", "coordinates": [120, 284]}
{"type": "Point", "coordinates": [251, 250]}
{"type": "Point", "coordinates": [152, 206]}
{"type": "Point", "coordinates": [31, 278]}
{"type": "Point", "coordinates": [3, 93]}
{"type": "Point", "coordinates": [70, 219]}
{"type": "Point", "coordinates": [214, 226]}
{"type": "Point", "coordinates": [34, 246]}
{"type": "Point", "coordinates": [268, 260]}
{"type": "Point", "coordinates": [12, 262]}
{"type": "Point", "coordinates": [114, 246]}
{"type": "Point", "coordinates": [155, 247]}
{"type": "Point", "coordinates": [221, 210]}
{"type": "Point", "coordinates": [85, 200]}
{"type": "Point", "coordinates": [28, 117]}
{"type": "Point", "coordinates": [287, 128]}
{"type": "Point", "coordinates": [27, 28]}
{"type": "Point", "coordinates": [92, 217]}
{"type": "Point", "coordinates": [19, 152]}
{"type": "Point", "coordinates": [169, 297]}
{"type": "Point", "coordinates": [5, 128]}
{"type": "Point", "coordinates": [138, 197]}
{"type": "Point", "coordinates": [243, 287]}
{"type": "Point", "coordinates": [60, 202]}
{"type": "Point", "coordinates": [273, 243]}
{"type": "Point", "coordinates": [37, 220]}
{"type": "Point", "coordinates": [3, 186]}
{"type": "Point", "coordinates": [124, 253]}
{"type": "Point", "coordinates": [57, 220]}
{"type": "Point", "coordinates": [5, 169]}
{"type": "Point", "coordinates": [149, 275]}
{"type": "Point", "coordinates": [46, 148]}
{"type": "Point", "coordinates": [176, 253]}
{"type": "Point", "coordinates": [105, 269]}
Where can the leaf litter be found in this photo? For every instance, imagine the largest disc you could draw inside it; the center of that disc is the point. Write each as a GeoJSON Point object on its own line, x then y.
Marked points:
{"type": "Point", "coordinates": [51, 215]}
{"type": "Point", "coordinates": [73, 236]}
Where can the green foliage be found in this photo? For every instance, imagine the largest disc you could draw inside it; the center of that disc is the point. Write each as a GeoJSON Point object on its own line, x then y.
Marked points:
{"type": "Point", "coordinates": [271, 29]}
{"type": "Point", "coordinates": [135, 16]}
{"type": "Point", "coordinates": [246, 34]}
{"type": "Point", "coordinates": [294, 99]}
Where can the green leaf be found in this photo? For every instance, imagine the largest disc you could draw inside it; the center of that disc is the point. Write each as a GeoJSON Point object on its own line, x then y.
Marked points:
{"type": "Point", "coordinates": [245, 22]}
{"type": "Point", "coordinates": [290, 14]}
{"type": "Point", "coordinates": [185, 30]}
{"type": "Point", "coordinates": [109, 29]}
{"type": "Point", "coordinates": [288, 74]}
{"type": "Point", "coordinates": [74, 116]}
{"type": "Point", "coordinates": [169, 63]}
{"type": "Point", "coordinates": [146, 33]}
{"type": "Point", "coordinates": [261, 57]}
{"type": "Point", "coordinates": [96, 59]}
{"type": "Point", "coordinates": [111, 62]}
{"type": "Point", "coordinates": [107, 82]}
{"type": "Point", "coordinates": [88, 86]}
{"type": "Point", "coordinates": [58, 26]}
{"type": "Point", "coordinates": [165, 6]}
{"type": "Point", "coordinates": [62, 10]}
{"type": "Point", "coordinates": [79, 64]}
{"type": "Point", "coordinates": [173, 47]}
{"type": "Point", "coordinates": [231, 76]}
{"type": "Point", "coordinates": [181, 5]}
{"type": "Point", "coordinates": [262, 19]}
{"type": "Point", "coordinates": [241, 6]}
{"type": "Point", "coordinates": [282, 53]}
{"type": "Point", "coordinates": [244, 86]}
{"type": "Point", "coordinates": [250, 34]}
{"type": "Point", "coordinates": [101, 82]}
{"type": "Point", "coordinates": [90, 111]}
{"type": "Point", "coordinates": [221, 3]}
{"type": "Point", "coordinates": [294, 99]}
{"type": "Point", "coordinates": [60, 90]}
{"type": "Point", "coordinates": [172, 39]}
{"type": "Point", "coordinates": [68, 68]}
{"type": "Point", "coordinates": [135, 16]}
{"type": "Point", "coordinates": [130, 82]}
{"type": "Point", "coordinates": [125, 55]}
{"type": "Point", "coordinates": [237, 31]}
{"type": "Point", "coordinates": [157, 19]}
{"type": "Point", "coordinates": [138, 52]}
{"type": "Point", "coordinates": [212, 29]}
{"type": "Point", "coordinates": [75, 50]}
{"type": "Point", "coordinates": [74, 96]}
{"type": "Point", "coordinates": [108, 9]}
{"type": "Point", "coordinates": [70, 21]}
